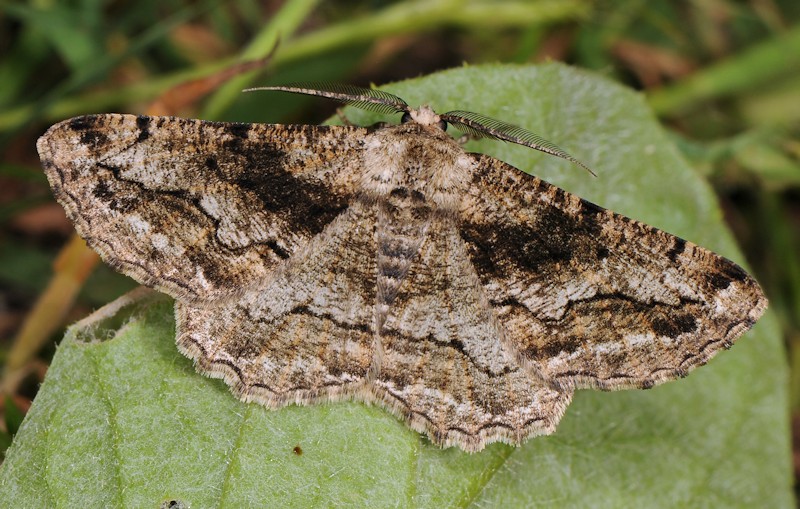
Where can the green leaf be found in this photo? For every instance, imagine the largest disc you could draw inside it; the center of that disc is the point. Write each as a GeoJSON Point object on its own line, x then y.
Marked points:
{"type": "Point", "coordinates": [123, 420]}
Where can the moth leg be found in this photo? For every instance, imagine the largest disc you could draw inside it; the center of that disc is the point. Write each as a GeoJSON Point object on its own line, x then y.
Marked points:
{"type": "Point", "coordinates": [466, 138]}
{"type": "Point", "coordinates": [343, 117]}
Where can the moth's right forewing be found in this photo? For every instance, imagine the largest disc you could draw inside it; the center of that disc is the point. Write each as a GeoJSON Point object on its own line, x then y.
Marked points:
{"type": "Point", "coordinates": [590, 298]}
{"type": "Point", "coordinates": [199, 209]}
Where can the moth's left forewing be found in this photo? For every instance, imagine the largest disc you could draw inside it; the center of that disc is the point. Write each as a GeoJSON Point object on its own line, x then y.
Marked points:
{"type": "Point", "coordinates": [590, 298]}
{"type": "Point", "coordinates": [196, 209]}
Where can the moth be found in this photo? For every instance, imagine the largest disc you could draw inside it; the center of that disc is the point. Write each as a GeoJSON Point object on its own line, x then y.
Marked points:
{"type": "Point", "coordinates": [387, 265]}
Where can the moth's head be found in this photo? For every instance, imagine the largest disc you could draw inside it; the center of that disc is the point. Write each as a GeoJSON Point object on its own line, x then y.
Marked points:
{"type": "Point", "coordinates": [424, 115]}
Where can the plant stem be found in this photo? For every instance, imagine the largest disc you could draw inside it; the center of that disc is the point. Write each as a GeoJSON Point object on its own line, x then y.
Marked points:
{"type": "Point", "coordinates": [283, 25]}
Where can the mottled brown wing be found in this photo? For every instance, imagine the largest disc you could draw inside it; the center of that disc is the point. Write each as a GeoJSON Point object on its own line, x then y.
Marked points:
{"type": "Point", "coordinates": [305, 333]}
{"type": "Point", "coordinates": [445, 368]}
{"type": "Point", "coordinates": [198, 209]}
{"type": "Point", "coordinates": [590, 298]}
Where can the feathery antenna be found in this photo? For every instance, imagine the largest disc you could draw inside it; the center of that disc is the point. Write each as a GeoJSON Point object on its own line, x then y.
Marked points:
{"type": "Point", "coordinates": [482, 126]}
{"type": "Point", "coordinates": [467, 122]}
{"type": "Point", "coordinates": [365, 98]}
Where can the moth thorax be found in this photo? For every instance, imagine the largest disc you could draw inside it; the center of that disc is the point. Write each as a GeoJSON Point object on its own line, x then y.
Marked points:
{"type": "Point", "coordinates": [411, 157]}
